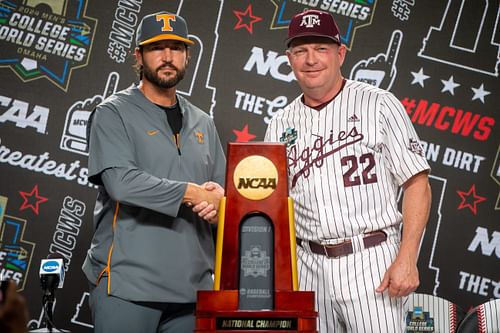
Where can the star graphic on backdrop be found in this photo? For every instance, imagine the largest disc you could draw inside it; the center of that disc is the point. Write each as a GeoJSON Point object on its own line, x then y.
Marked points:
{"type": "Point", "coordinates": [419, 77]}
{"type": "Point", "coordinates": [242, 15]}
{"type": "Point", "coordinates": [449, 85]}
{"type": "Point", "coordinates": [466, 196]}
{"type": "Point", "coordinates": [243, 135]}
{"type": "Point", "coordinates": [29, 202]}
{"type": "Point", "coordinates": [479, 93]}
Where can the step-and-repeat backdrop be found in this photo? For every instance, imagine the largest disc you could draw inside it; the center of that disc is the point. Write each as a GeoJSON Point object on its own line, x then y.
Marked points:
{"type": "Point", "coordinates": [60, 58]}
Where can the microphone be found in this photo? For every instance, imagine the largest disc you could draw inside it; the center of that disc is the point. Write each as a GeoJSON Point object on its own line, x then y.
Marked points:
{"type": "Point", "coordinates": [52, 273]}
{"type": "Point", "coordinates": [51, 277]}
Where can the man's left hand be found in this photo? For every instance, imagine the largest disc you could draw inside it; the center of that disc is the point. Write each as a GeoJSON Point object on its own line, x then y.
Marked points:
{"type": "Point", "coordinates": [400, 279]}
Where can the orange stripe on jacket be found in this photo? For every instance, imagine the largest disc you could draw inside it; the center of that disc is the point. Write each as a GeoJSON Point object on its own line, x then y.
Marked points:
{"type": "Point", "coordinates": [107, 269]}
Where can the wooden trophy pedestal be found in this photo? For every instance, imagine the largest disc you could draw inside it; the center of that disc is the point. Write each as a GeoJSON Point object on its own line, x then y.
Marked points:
{"type": "Point", "coordinates": [217, 311]}
{"type": "Point", "coordinates": [255, 273]}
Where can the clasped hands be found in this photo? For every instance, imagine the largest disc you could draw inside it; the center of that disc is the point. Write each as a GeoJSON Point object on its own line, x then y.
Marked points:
{"type": "Point", "coordinates": [204, 199]}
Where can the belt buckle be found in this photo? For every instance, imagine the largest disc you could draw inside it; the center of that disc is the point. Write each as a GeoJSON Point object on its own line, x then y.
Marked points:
{"type": "Point", "coordinates": [325, 249]}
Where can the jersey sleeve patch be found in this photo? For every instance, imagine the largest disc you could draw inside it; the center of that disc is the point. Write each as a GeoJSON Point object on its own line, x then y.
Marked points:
{"type": "Point", "coordinates": [415, 147]}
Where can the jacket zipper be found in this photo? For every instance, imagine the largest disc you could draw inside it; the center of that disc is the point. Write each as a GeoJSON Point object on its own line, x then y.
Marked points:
{"type": "Point", "coordinates": [177, 140]}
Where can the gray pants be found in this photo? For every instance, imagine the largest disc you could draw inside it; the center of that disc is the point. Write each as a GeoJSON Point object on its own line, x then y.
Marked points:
{"type": "Point", "coordinates": [115, 315]}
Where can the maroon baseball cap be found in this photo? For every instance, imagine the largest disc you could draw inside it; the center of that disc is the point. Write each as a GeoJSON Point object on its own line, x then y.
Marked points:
{"type": "Point", "coordinates": [313, 22]}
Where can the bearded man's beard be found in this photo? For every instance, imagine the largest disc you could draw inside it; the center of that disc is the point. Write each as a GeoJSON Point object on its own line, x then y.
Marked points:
{"type": "Point", "coordinates": [153, 77]}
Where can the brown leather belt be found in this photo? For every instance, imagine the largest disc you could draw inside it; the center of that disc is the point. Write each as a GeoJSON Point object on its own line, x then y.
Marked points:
{"type": "Point", "coordinates": [342, 249]}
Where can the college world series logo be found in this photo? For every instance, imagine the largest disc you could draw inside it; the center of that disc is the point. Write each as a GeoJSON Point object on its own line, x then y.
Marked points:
{"type": "Point", "coordinates": [47, 38]}
{"type": "Point", "coordinates": [15, 252]}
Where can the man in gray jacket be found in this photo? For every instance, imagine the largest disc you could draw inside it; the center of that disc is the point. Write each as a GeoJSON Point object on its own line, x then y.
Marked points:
{"type": "Point", "coordinates": [159, 162]}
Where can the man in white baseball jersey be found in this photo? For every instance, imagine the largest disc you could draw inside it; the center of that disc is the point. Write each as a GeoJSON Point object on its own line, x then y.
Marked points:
{"type": "Point", "coordinates": [350, 147]}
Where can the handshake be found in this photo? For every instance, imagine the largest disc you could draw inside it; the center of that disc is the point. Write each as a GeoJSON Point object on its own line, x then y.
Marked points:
{"type": "Point", "coordinates": [204, 199]}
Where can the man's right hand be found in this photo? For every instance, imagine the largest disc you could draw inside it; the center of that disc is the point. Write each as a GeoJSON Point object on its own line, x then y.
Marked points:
{"type": "Point", "coordinates": [204, 199]}
{"type": "Point", "coordinates": [208, 211]}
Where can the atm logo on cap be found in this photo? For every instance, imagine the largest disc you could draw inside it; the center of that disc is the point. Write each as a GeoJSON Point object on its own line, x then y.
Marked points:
{"type": "Point", "coordinates": [310, 21]}
{"type": "Point", "coordinates": [50, 266]}
{"type": "Point", "coordinates": [166, 18]}
{"type": "Point", "coordinates": [255, 177]}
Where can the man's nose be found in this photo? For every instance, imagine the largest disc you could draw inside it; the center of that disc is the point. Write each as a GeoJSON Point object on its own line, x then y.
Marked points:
{"type": "Point", "coordinates": [167, 54]}
{"type": "Point", "coordinates": [311, 57]}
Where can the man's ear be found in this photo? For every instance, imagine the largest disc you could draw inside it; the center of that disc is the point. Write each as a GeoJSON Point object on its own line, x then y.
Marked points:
{"type": "Point", "coordinates": [188, 57]}
{"type": "Point", "coordinates": [342, 51]}
{"type": "Point", "coordinates": [138, 55]}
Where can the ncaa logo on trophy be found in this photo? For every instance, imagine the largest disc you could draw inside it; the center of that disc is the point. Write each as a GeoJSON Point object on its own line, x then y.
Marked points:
{"type": "Point", "coordinates": [255, 177]}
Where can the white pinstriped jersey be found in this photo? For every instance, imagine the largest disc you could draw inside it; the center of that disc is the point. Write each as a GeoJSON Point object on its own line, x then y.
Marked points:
{"type": "Point", "coordinates": [347, 161]}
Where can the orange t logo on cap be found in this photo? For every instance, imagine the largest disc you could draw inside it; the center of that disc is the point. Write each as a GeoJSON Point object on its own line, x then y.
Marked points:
{"type": "Point", "coordinates": [166, 18]}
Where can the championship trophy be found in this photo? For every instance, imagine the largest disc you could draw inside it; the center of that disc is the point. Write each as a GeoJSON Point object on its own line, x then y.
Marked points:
{"type": "Point", "coordinates": [255, 283]}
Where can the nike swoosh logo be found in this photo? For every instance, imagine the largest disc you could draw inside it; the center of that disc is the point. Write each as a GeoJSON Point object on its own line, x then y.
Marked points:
{"type": "Point", "coordinates": [152, 132]}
